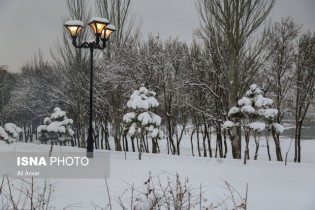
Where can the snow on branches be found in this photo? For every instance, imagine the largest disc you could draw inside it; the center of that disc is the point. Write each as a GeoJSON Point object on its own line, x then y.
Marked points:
{"type": "Point", "coordinates": [228, 124]}
{"type": "Point", "coordinates": [254, 106]}
{"type": "Point", "coordinates": [257, 126]}
{"type": "Point", "coordinates": [142, 99]}
{"type": "Point", "coordinates": [9, 133]}
{"type": "Point", "coordinates": [253, 112]}
{"type": "Point", "coordinates": [56, 127]}
{"type": "Point", "coordinates": [142, 120]}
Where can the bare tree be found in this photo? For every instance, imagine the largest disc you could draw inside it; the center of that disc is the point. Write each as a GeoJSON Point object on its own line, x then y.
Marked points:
{"type": "Point", "coordinates": [7, 81]}
{"type": "Point", "coordinates": [281, 69]}
{"type": "Point", "coordinates": [118, 12]}
{"type": "Point", "coordinates": [229, 26]}
{"type": "Point", "coordinates": [305, 86]}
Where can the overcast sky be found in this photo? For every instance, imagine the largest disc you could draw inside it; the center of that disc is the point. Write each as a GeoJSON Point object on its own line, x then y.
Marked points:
{"type": "Point", "coordinates": [29, 25]}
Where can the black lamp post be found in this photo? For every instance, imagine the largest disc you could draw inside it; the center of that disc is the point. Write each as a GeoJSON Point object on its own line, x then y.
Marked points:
{"type": "Point", "coordinates": [102, 30]}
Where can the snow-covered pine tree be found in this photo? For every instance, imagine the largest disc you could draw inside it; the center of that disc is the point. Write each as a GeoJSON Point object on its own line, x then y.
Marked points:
{"type": "Point", "coordinates": [255, 113]}
{"type": "Point", "coordinates": [9, 133]}
{"type": "Point", "coordinates": [56, 128]}
{"type": "Point", "coordinates": [142, 122]}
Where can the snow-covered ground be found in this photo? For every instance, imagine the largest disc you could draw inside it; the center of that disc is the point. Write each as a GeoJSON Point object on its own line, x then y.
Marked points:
{"type": "Point", "coordinates": [271, 185]}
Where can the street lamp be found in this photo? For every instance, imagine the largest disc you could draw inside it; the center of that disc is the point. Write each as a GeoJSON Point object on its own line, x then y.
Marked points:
{"type": "Point", "coordinates": [102, 30]}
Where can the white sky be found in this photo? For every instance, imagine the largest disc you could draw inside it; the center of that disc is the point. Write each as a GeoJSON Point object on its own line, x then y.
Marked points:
{"type": "Point", "coordinates": [29, 25]}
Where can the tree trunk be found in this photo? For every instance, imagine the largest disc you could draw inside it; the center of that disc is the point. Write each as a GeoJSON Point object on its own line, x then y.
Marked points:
{"type": "Point", "coordinates": [141, 147]}
{"type": "Point", "coordinates": [51, 148]}
{"type": "Point", "coordinates": [296, 141]}
{"type": "Point", "coordinates": [277, 145]}
{"type": "Point", "coordinates": [247, 132]}
{"type": "Point", "coordinates": [102, 138]}
{"type": "Point", "coordinates": [204, 136]}
{"type": "Point", "coordinates": [25, 134]}
{"type": "Point", "coordinates": [299, 142]}
{"type": "Point", "coordinates": [107, 145]}
{"type": "Point", "coordinates": [257, 146]}
{"type": "Point", "coordinates": [133, 144]}
{"type": "Point", "coordinates": [219, 141]}
{"type": "Point", "coordinates": [256, 152]}
{"type": "Point", "coordinates": [268, 150]}
{"type": "Point", "coordinates": [138, 146]}
{"type": "Point", "coordinates": [208, 134]}
{"type": "Point", "coordinates": [126, 143]}
{"type": "Point", "coordinates": [123, 143]}
{"type": "Point", "coordinates": [145, 146]}
{"type": "Point", "coordinates": [117, 134]}
{"type": "Point", "coordinates": [198, 145]}
{"type": "Point", "coordinates": [225, 144]}
{"type": "Point", "coordinates": [78, 136]}
{"type": "Point", "coordinates": [236, 142]}
{"type": "Point", "coordinates": [154, 145]}
{"type": "Point", "coordinates": [82, 137]}
{"type": "Point", "coordinates": [191, 142]}
{"type": "Point", "coordinates": [170, 135]}
{"type": "Point", "coordinates": [177, 146]}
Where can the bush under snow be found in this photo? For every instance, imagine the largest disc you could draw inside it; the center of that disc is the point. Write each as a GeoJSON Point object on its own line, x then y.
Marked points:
{"type": "Point", "coordinates": [56, 127]}
{"type": "Point", "coordinates": [9, 133]}
{"type": "Point", "coordinates": [257, 126]}
{"type": "Point", "coordinates": [142, 120]}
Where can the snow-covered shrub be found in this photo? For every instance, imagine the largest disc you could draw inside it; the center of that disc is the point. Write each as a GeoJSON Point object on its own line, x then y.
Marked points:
{"type": "Point", "coordinates": [142, 121]}
{"type": "Point", "coordinates": [254, 112]}
{"type": "Point", "coordinates": [9, 133]}
{"type": "Point", "coordinates": [235, 112]}
{"type": "Point", "coordinates": [228, 124]}
{"type": "Point", "coordinates": [56, 128]}
{"type": "Point", "coordinates": [257, 126]}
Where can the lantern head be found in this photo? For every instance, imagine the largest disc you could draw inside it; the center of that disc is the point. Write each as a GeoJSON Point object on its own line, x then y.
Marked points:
{"type": "Point", "coordinates": [74, 26]}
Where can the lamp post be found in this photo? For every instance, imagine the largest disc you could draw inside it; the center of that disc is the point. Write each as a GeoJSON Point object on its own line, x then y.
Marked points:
{"type": "Point", "coordinates": [102, 30]}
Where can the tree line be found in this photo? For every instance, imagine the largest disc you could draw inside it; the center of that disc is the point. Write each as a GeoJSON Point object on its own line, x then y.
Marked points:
{"type": "Point", "coordinates": [196, 83]}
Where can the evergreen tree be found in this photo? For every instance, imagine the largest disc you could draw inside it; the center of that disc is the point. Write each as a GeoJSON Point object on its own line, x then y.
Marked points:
{"type": "Point", "coordinates": [254, 113]}
{"type": "Point", "coordinates": [143, 122]}
{"type": "Point", "coordinates": [9, 133]}
{"type": "Point", "coordinates": [56, 128]}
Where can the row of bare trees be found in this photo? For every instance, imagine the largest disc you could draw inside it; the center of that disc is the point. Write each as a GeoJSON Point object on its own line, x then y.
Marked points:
{"type": "Point", "coordinates": [196, 83]}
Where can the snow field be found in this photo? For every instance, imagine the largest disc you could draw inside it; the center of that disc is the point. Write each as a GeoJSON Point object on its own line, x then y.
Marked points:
{"type": "Point", "coordinates": [272, 185]}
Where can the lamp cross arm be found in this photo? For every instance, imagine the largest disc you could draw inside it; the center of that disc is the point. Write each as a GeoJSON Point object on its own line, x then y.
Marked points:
{"type": "Point", "coordinates": [83, 45]}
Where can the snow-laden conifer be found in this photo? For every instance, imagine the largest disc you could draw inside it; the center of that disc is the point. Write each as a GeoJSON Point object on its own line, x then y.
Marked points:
{"type": "Point", "coordinates": [142, 121]}
{"type": "Point", "coordinates": [9, 133]}
{"type": "Point", "coordinates": [56, 128]}
{"type": "Point", "coordinates": [255, 113]}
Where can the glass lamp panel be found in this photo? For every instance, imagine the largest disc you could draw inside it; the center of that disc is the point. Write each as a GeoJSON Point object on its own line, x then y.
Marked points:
{"type": "Point", "coordinates": [108, 33]}
{"type": "Point", "coordinates": [98, 24]}
{"type": "Point", "coordinates": [99, 27]}
{"type": "Point", "coordinates": [74, 30]}
{"type": "Point", "coordinates": [79, 29]}
{"type": "Point", "coordinates": [93, 26]}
